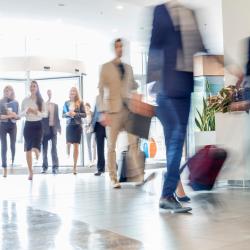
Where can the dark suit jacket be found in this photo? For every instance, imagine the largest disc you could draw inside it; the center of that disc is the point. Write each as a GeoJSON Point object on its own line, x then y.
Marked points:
{"type": "Point", "coordinates": [248, 59]}
{"type": "Point", "coordinates": [57, 127]}
{"type": "Point", "coordinates": [95, 118]}
{"type": "Point", "coordinates": [165, 42]}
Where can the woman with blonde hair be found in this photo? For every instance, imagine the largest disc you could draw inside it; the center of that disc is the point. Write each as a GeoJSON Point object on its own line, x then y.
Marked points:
{"type": "Point", "coordinates": [9, 109]}
{"type": "Point", "coordinates": [74, 111]}
{"type": "Point", "coordinates": [33, 109]}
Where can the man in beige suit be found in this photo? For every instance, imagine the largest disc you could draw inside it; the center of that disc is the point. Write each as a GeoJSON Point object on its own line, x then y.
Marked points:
{"type": "Point", "coordinates": [115, 87]}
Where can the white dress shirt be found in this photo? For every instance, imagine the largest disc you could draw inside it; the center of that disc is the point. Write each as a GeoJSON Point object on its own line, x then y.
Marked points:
{"type": "Point", "coordinates": [27, 103]}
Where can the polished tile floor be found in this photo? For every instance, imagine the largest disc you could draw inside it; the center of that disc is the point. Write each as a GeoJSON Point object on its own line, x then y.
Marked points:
{"type": "Point", "coordinates": [83, 212]}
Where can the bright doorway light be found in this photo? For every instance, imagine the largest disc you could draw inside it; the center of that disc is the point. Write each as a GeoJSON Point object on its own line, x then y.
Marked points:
{"type": "Point", "coordinates": [119, 7]}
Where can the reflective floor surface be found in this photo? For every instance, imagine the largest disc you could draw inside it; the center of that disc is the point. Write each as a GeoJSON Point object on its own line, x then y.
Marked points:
{"type": "Point", "coordinates": [84, 212]}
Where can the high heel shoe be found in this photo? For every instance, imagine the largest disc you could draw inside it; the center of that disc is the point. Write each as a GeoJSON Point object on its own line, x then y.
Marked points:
{"type": "Point", "coordinates": [74, 171]}
{"type": "Point", "coordinates": [30, 177]}
{"type": "Point", "coordinates": [5, 172]}
{"type": "Point", "coordinates": [183, 198]}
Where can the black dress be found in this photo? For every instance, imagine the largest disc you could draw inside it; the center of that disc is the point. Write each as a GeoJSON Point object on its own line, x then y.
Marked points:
{"type": "Point", "coordinates": [74, 124]}
{"type": "Point", "coordinates": [32, 135]}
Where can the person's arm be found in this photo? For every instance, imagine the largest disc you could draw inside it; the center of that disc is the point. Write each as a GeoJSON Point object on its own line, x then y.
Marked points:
{"type": "Point", "coordinates": [81, 112]}
{"type": "Point", "coordinates": [66, 111]}
{"type": "Point", "coordinates": [24, 109]}
{"type": "Point", "coordinates": [93, 120]}
{"type": "Point", "coordinates": [155, 57]}
{"type": "Point", "coordinates": [43, 113]}
{"type": "Point", "coordinates": [100, 103]}
{"type": "Point", "coordinates": [3, 115]}
{"type": "Point", "coordinates": [17, 112]}
{"type": "Point", "coordinates": [134, 83]}
{"type": "Point", "coordinates": [58, 122]}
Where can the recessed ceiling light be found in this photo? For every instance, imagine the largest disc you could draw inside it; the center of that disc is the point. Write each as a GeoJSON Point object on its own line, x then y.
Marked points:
{"type": "Point", "coordinates": [119, 7]}
{"type": "Point", "coordinates": [61, 5]}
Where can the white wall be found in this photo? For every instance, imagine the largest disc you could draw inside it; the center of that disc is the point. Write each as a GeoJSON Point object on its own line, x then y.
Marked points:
{"type": "Point", "coordinates": [20, 37]}
{"type": "Point", "coordinates": [236, 26]}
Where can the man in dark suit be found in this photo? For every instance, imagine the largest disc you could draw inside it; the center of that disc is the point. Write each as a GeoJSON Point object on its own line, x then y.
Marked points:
{"type": "Point", "coordinates": [174, 41]}
{"type": "Point", "coordinates": [100, 134]}
{"type": "Point", "coordinates": [51, 126]}
{"type": "Point", "coordinates": [248, 59]}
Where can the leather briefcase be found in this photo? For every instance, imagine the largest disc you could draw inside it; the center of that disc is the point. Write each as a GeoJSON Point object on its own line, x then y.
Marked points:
{"type": "Point", "coordinates": [137, 106]}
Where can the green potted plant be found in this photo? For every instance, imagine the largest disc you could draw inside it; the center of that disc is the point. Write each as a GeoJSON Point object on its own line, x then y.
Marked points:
{"type": "Point", "coordinates": [205, 119]}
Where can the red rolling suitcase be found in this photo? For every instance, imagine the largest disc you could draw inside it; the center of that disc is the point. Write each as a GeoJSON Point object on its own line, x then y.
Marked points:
{"type": "Point", "coordinates": [204, 167]}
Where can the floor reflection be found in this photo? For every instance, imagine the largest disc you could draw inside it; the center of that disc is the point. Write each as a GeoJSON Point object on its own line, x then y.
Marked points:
{"type": "Point", "coordinates": [33, 229]}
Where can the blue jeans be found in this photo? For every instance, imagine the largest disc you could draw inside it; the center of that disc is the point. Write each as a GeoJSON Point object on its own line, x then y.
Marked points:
{"type": "Point", "coordinates": [173, 114]}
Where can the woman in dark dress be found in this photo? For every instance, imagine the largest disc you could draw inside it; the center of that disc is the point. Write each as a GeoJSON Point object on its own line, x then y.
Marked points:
{"type": "Point", "coordinates": [33, 109]}
{"type": "Point", "coordinates": [74, 111]}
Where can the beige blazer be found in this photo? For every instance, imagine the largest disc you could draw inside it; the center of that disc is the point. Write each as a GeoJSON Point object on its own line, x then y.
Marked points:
{"type": "Point", "coordinates": [113, 91]}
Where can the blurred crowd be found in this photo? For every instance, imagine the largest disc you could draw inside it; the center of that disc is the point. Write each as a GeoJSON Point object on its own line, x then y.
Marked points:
{"type": "Point", "coordinates": [175, 39]}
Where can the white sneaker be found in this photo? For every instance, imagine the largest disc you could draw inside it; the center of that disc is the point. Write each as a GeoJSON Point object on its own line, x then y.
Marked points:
{"type": "Point", "coordinates": [116, 184]}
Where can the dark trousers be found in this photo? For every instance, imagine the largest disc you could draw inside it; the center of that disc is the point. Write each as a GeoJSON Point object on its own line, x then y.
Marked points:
{"type": "Point", "coordinates": [52, 136]}
{"type": "Point", "coordinates": [11, 129]}
{"type": "Point", "coordinates": [173, 114]}
{"type": "Point", "coordinates": [100, 139]}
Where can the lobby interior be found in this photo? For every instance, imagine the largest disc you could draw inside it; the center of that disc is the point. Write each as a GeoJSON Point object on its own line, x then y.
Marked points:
{"type": "Point", "coordinates": [62, 44]}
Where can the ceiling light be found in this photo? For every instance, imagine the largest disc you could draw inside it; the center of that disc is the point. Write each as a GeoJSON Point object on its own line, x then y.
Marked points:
{"type": "Point", "coordinates": [119, 7]}
{"type": "Point", "coordinates": [61, 5]}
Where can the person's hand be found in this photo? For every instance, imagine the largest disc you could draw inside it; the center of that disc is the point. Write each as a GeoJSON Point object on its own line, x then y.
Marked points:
{"type": "Point", "coordinates": [13, 115]}
{"type": "Point", "coordinates": [30, 111]}
{"type": "Point", "coordinates": [105, 119]}
{"type": "Point", "coordinates": [34, 111]}
{"type": "Point", "coordinates": [72, 113]}
{"type": "Point", "coordinates": [237, 72]}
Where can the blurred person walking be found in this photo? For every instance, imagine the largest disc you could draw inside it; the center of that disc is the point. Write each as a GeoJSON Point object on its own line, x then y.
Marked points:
{"type": "Point", "coordinates": [9, 109]}
{"type": "Point", "coordinates": [74, 111]}
{"type": "Point", "coordinates": [34, 110]}
{"type": "Point", "coordinates": [90, 136]}
{"type": "Point", "coordinates": [51, 126]}
{"type": "Point", "coordinates": [100, 135]}
{"type": "Point", "coordinates": [174, 41]}
{"type": "Point", "coordinates": [115, 87]}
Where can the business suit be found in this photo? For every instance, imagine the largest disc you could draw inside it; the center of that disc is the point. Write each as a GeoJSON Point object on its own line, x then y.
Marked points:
{"type": "Point", "coordinates": [175, 87]}
{"type": "Point", "coordinates": [51, 126]}
{"type": "Point", "coordinates": [116, 83]}
{"type": "Point", "coordinates": [248, 58]}
{"type": "Point", "coordinates": [100, 135]}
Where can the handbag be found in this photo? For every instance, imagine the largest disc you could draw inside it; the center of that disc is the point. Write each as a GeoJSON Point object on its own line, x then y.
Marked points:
{"type": "Point", "coordinates": [137, 106]}
{"type": "Point", "coordinates": [138, 125]}
{"type": "Point", "coordinates": [139, 119]}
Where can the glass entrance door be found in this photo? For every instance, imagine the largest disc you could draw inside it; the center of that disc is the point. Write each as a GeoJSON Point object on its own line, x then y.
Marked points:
{"type": "Point", "coordinates": [60, 93]}
{"type": "Point", "coordinates": [60, 89]}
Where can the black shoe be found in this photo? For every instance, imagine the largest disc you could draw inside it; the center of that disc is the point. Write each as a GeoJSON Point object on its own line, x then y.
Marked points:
{"type": "Point", "coordinates": [171, 204]}
{"type": "Point", "coordinates": [54, 171]}
{"type": "Point", "coordinates": [183, 198]}
{"type": "Point", "coordinates": [44, 171]}
{"type": "Point", "coordinates": [99, 173]}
